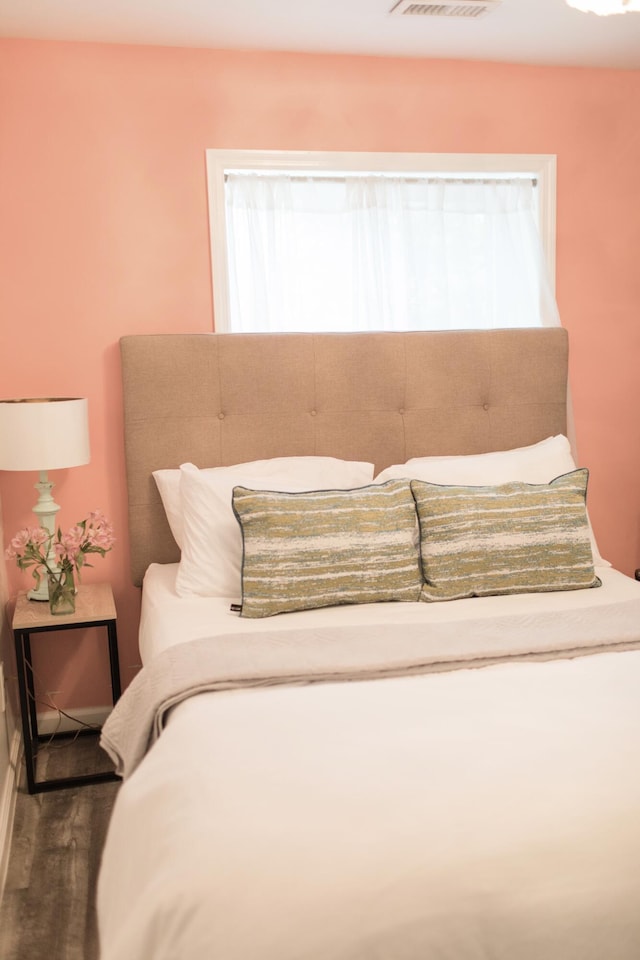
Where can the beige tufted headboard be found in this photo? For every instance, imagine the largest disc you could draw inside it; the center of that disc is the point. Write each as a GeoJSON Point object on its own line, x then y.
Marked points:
{"type": "Point", "coordinates": [216, 399]}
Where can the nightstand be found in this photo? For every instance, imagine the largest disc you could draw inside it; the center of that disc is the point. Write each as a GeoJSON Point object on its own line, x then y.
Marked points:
{"type": "Point", "coordinates": [94, 608]}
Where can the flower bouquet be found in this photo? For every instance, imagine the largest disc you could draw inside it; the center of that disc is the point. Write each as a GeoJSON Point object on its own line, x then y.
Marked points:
{"type": "Point", "coordinates": [59, 556]}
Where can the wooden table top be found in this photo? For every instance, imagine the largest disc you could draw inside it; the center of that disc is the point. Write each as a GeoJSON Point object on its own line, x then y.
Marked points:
{"type": "Point", "coordinates": [94, 602]}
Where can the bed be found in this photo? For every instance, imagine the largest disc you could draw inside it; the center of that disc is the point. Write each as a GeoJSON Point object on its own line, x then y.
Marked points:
{"type": "Point", "coordinates": [381, 776]}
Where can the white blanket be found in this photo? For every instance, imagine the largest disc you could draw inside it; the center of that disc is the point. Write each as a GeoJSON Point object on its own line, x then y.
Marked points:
{"type": "Point", "coordinates": [465, 815]}
{"type": "Point", "coordinates": [322, 655]}
{"type": "Point", "coordinates": [472, 815]}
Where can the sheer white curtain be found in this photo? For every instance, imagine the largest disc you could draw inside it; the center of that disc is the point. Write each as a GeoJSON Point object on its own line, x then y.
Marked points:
{"type": "Point", "coordinates": [383, 253]}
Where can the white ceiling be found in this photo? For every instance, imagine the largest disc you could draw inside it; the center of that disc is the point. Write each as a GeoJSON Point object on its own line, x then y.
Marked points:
{"type": "Point", "coordinates": [518, 31]}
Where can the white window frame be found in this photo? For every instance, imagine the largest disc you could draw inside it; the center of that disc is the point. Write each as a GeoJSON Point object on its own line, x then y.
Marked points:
{"type": "Point", "coordinates": [542, 167]}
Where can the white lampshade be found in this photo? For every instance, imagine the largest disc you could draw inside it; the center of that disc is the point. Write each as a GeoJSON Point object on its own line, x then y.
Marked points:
{"type": "Point", "coordinates": [605, 8]}
{"type": "Point", "coordinates": [43, 434]}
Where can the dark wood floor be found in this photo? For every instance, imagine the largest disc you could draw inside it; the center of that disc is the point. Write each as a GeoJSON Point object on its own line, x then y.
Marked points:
{"type": "Point", "coordinates": [48, 908]}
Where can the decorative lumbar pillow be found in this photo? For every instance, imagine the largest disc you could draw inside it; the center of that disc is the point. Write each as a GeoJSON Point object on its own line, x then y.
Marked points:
{"type": "Point", "coordinates": [327, 547]}
{"type": "Point", "coordinates": [512, 538]}
{"type": "Point", "coordinates": [538, 463]}
{"type": "Point", "coordinates": [209, 536]}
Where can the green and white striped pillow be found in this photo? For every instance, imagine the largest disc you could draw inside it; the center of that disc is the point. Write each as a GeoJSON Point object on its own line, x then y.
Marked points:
{"type": "Point", "coordinates": [327, 547]}
{"type": "Point", "coordinates": [513, 538]}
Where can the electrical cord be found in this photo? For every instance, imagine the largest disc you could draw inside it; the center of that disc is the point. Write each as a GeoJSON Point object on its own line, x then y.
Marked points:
{"type": "Point", "coordinates": [52, 705]}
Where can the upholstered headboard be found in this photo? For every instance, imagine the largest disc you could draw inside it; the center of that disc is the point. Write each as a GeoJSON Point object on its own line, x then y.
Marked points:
{"type": "Point", "coordinates": [217, 399]}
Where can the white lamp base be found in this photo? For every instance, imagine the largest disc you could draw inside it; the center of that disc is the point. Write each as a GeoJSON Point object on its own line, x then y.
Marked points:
{"type": "Point", "coordinates": [42, 593]}
{"type": "Point", "coordinates": [45, 509]}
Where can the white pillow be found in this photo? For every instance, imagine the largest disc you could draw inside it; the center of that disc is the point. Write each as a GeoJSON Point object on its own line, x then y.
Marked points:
{"type": "Point", "coordinates": [306, 470]}
{"type": "Point", "coordinates": [168, 483]}
{"type": "Point", "coordinates": [211, 560]}
{"type": "Point", "coordinates": [539, 463]}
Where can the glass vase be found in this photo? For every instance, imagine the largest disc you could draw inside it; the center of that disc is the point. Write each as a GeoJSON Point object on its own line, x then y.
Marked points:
{"type": "Point", "coordinates": [62, 592]}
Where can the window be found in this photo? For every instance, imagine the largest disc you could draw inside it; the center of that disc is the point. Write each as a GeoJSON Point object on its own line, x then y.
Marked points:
{"type": "Point", "coordinates": [334, 242]}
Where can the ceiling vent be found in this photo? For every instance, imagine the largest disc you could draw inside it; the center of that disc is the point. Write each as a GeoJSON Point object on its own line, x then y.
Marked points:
{"type": "Point", "coordinates": [471, 9]}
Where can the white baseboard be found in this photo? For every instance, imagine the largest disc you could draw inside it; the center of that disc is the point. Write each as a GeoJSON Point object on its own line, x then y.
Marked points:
{"type": "Point", "coordinates": [8, 794]}
{"type": "Point", "coordinates": [50, 721]}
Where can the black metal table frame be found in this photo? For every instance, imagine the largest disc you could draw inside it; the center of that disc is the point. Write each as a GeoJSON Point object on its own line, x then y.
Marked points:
{"type": "Point", "coordinates": [29, 713]}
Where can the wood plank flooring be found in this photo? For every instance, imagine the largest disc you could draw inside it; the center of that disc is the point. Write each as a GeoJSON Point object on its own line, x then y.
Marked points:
{"type": "Point", "coordinates": [48, 908]}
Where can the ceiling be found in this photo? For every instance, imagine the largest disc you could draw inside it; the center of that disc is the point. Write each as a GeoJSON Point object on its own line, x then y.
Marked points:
{"type": "Point", "coordinates": [517, 31]}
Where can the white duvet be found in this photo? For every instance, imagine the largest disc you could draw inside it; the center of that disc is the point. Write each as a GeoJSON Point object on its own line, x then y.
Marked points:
{"type": "Point", "coordinates": [488, 814]}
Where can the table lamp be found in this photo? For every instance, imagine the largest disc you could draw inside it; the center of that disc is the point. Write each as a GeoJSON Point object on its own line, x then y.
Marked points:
{"type": "Point", "coordinates": [44, 434]}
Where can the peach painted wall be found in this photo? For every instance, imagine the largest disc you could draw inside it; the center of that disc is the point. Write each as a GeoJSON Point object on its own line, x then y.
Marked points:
{"type": "Point", "coordinates": [104, 231]}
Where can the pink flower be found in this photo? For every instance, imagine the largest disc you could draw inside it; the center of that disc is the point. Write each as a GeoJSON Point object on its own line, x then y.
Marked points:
{"type": "Point", "coordinates": [18, 544]}
{"type": "Point", "coordinates": [36, 547]}
{"type": "Point", "coordinates": [73, 539]}
{"type": "Point", "coordinates": [60, 552]}
{"type": "Point", "coordinates": [99, 532]}
{"type": "Point", "coordinates": [102, 539]}
{"type": "Point", "coordinates": [25, 540]}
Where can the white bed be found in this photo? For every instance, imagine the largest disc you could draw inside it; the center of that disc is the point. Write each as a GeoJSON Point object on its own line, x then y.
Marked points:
{"type": "Point", "coordinates": [482, 805]}
{"type": "Point", "coordinates": [477, 813]}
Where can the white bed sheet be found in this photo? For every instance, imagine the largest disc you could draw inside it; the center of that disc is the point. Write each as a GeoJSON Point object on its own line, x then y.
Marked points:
{"type": "Point", "coordinates": [575, 617]}
{"type": "Point", "coordinates": [469, 815]}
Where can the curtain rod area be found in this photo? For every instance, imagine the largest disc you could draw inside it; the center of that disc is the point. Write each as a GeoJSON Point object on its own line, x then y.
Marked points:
{"type": "Point", "coordinates": [342, 176]}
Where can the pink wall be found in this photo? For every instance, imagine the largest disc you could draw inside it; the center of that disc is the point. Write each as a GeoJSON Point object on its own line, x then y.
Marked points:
{"type": "Point", "coordinates": [104, 232]}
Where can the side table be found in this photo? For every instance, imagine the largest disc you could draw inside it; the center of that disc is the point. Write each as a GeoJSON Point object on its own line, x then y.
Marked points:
{"type": "Point", "coordinates": [95, 607]}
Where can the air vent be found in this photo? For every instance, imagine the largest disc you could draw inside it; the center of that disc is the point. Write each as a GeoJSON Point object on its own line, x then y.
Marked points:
{"type": "Point", "coordinates": [470, 9]}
